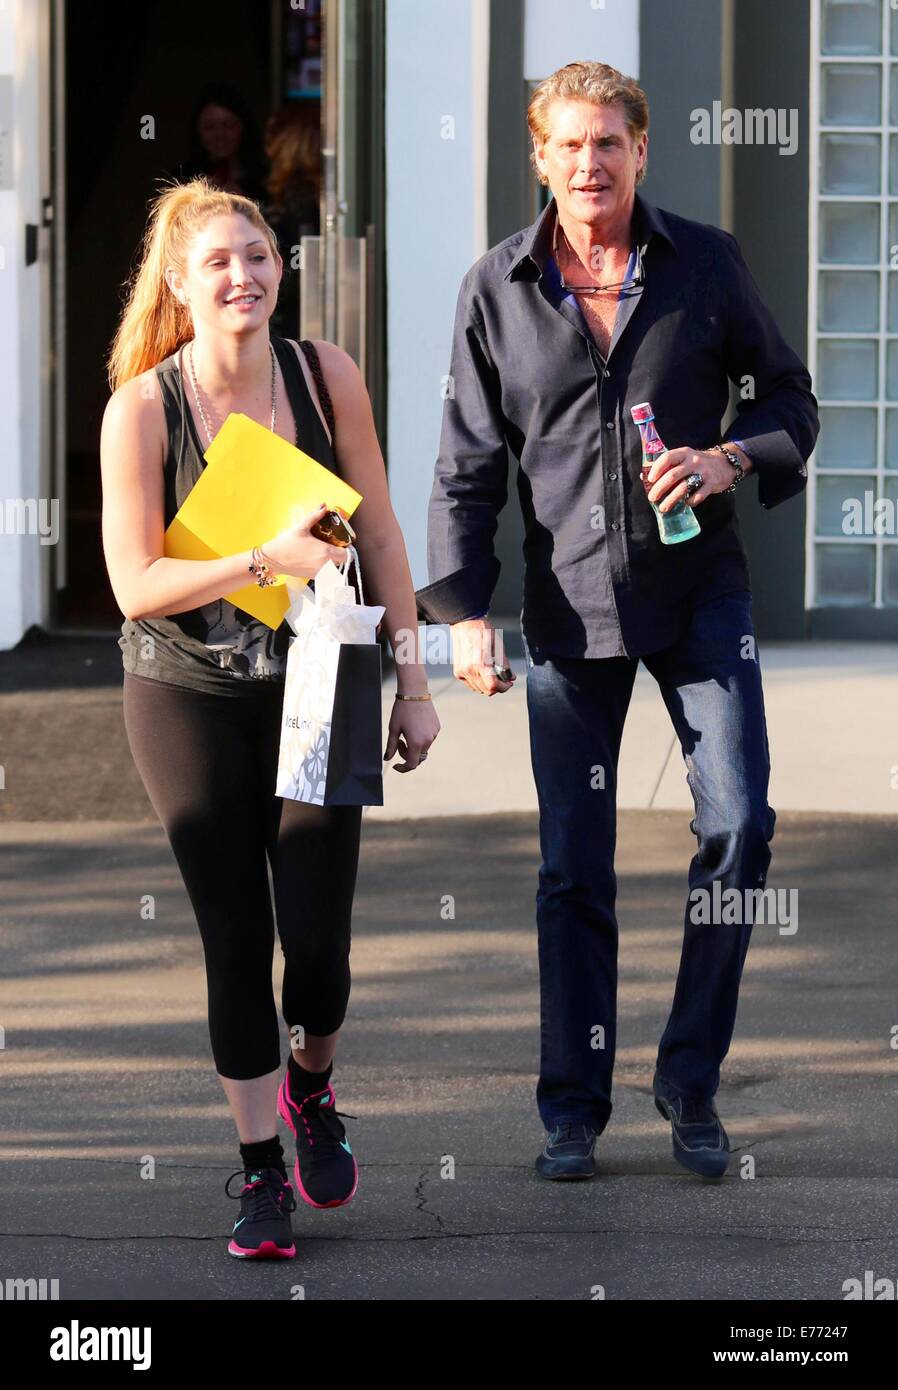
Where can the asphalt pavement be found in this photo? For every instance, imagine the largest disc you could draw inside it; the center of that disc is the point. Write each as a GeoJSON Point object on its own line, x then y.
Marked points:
{"type": "Point", "coordinates": [108, 1077]}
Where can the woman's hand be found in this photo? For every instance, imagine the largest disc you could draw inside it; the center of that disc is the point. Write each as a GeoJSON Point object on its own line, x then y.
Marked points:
{"type": "Point", "coordinates": [413, 728]}
{"type": "Point", "coordinates": [296, 551]}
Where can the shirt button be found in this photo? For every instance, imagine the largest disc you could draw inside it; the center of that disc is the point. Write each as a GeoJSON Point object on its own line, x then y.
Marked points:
{"type": "Point", "coordinates": [606, 372]}
{"type": "Point", "coordinates": [615, 526]}
{"type": "Point", "coordinates": [613, 477]}
{"type": "Point", "coordinates": [609, 424]}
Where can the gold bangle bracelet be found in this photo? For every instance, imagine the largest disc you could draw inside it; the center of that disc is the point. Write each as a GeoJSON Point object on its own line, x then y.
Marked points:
{"type": "Point", "coordinates": [413, 697]}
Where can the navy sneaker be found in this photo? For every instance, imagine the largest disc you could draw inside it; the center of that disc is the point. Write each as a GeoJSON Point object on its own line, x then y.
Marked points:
{"type": "Point", "coordinates": [262, 1231]}
{"type": "Point", "coordinates": [326, 1171]}
{"type": "Point", "coordinates": [700, 1141]}
{"type": "Point", "coordinates": [569, 1151]}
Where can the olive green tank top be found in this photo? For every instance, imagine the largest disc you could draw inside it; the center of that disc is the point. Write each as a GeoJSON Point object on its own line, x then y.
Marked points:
{"type": "Point", "coordinates": [217, 647]}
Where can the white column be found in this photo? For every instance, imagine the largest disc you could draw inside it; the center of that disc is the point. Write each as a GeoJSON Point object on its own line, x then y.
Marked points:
{"type": "Point", "coordinates": [436, 130]}
{"type": "Point", "coordinates": [20, 318]}
{"type": "Point", "coordinates": [557, 32]}
{"type": "Point", "coordinates": [437, 92]}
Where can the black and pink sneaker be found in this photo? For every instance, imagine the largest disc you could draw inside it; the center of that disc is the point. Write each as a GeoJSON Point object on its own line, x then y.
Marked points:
{"type": "Point", "coordinates": [262, 1231]}
{"type": "Point", "coordinates": [326, 1172]}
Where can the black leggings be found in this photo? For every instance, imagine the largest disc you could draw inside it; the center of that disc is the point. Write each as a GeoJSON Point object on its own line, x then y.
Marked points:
{"type": "Point", "coordinates": [208, 763]}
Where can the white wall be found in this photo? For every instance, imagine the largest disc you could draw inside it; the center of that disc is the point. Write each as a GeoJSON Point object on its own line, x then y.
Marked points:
{"type": "Point", "coordinates": [557, 32]}
{"type": "Point", "coordinates": [437, 68]}
{"type": "Point", "coordinates": [20, 357]}
{"type": "Point", "coordinates": [436, 73]}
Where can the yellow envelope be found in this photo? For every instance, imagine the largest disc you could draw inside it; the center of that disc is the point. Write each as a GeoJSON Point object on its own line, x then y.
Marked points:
{"type": "Point", "coordinates": [254, 484]}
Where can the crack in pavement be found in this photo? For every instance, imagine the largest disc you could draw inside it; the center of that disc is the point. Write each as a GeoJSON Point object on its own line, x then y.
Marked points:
{"type": "Point", "coordinates": [768, 1235]}
{"type": "Point", "coordinates": [377, 1165]}
{"type": "Point", "coordinates": [421, 1200]}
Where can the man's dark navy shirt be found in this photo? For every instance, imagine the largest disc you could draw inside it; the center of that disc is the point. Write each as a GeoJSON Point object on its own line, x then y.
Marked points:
{"type": "Point", "coordinates": [526, 375]}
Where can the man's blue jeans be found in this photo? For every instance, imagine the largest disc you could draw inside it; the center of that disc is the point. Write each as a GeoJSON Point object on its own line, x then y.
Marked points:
{"type": "Point", "coordinates": [710, 680]}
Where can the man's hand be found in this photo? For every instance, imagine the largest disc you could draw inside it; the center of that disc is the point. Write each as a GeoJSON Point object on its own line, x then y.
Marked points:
{"type": "Point", "coordinates": [474, 650]}
{"type": "Point", "coordinates": [668, 474]}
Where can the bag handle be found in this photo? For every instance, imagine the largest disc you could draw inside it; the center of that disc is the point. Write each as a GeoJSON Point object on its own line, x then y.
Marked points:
{"type": "Point", "coordinates": [327, 406]}
{"type": "Point", "coordinates": [352, 558]}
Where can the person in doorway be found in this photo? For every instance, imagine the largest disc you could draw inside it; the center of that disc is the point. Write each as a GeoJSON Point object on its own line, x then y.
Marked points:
{"type": "Point", "coordinates": [225, 146]}
{"type": "Point", "coordinates": [204, 681]}
{"type": "Point", "coordinates": [605, 303]}
{"type": "Point", "coordinates": [293, 147]}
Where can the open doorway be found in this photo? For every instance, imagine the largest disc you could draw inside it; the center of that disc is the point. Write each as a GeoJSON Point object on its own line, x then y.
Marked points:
{"type": "Point", "coordinates": [234, 89]}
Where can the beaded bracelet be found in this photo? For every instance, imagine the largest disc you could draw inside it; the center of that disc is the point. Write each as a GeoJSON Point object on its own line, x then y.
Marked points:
{"type": "Point", "coordinates": [733, 460]}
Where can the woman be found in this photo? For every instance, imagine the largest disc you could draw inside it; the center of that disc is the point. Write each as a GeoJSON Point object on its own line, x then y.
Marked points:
{"type": "Point", "coordinates": [225, 144]}
{"type": "Point", "coordinates": [203, 680]}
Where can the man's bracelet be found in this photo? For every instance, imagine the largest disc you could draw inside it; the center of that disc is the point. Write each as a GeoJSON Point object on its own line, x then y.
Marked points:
{"type": "Point", "coordinates": [733, 459]}
{"type": "Point", "coordinates": [413, 697]}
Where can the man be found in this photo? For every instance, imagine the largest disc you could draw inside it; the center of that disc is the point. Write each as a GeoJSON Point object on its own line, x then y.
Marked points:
{"type": "Point", "coordinates": [603, 303]}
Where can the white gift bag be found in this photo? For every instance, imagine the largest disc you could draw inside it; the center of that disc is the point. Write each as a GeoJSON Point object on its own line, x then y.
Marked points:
{"type": "Point", "coordinates": [331, 751]}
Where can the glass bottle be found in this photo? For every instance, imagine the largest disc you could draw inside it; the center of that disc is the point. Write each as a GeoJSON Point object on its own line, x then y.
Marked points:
{"type": "Point", "coordinates": [680, 523]}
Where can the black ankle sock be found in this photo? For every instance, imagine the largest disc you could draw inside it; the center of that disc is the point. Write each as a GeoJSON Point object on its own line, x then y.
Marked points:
{"type": "Point", "coordinates": [308, 1082]}
{"type": "Point", "coordinates": [264, 1153]}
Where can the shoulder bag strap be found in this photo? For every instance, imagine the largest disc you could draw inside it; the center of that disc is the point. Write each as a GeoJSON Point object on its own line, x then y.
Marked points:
{"type": "Point", "coordinates": [324, 395]}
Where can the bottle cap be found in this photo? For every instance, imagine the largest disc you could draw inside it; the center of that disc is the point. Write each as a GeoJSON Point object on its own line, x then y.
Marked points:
{"type": "Point", "coordinates": [642, 413]}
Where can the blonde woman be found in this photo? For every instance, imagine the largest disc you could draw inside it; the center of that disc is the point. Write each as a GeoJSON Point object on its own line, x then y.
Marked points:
{"type": "Point", "coordinates": [203, 680]}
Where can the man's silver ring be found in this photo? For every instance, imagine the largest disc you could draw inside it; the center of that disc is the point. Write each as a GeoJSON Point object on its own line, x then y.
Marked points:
{"type": "Point", "coordinates": [421, 757]}
{"type": "Point", "coordinates": [693, 483]}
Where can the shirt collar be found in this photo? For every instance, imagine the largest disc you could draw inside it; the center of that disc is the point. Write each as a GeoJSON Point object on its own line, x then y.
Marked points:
{"type": "Point", "coordinates": [536, 247]}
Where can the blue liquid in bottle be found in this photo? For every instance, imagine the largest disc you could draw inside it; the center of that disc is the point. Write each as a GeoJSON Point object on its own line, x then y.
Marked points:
{"type": "Point", "coordinates": [680, 523]}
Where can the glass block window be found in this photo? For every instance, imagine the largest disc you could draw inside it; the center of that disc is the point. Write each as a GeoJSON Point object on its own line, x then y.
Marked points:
{"type": "Point", "coordinates": [853, 298]}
